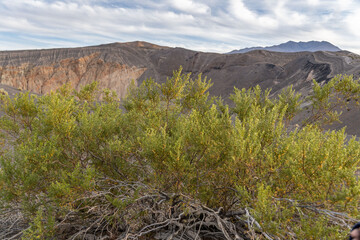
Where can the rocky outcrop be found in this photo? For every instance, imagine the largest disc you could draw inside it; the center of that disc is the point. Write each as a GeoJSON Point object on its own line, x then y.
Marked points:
{"type": "Point", "coordinates": [78, 72]}
{"type": "Point", "coordinates": [42, 71]}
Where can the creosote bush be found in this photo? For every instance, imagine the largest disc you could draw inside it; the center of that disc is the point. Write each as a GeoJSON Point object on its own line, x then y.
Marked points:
{"type": "Point", "coordinates": [169, 161]}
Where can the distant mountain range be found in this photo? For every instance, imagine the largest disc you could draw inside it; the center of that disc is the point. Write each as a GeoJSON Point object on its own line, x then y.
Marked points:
{"type": "Point", "coordinates": [291, 46]}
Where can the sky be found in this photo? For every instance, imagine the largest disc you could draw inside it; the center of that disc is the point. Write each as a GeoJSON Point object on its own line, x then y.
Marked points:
{"type": "Point", "coordinates": [202, 25]}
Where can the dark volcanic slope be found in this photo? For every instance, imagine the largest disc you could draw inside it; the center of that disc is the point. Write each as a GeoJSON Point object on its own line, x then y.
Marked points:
{"type": "Point", "coordinates": [42, 70]}
{"type": "Point", "coordinates": [115, 65]}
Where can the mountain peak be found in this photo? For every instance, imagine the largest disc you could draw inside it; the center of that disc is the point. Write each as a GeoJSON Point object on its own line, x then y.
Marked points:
{"type": "Point", "coordinates": [291, 46]}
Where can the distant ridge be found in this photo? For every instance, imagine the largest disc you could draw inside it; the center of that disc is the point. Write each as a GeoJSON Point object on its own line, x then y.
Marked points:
{"type": "Point", "coordinates": [291, 46]}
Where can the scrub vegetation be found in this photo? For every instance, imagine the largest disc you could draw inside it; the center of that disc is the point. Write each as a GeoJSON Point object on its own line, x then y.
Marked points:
{"type": "Point", "coordinates": [169, 162]}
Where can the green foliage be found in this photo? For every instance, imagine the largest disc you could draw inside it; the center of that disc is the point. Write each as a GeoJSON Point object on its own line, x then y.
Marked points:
{"type": "Point", "coordinates": [327, 100]}
{"type": "Point", "coordinates": [64, 148]}
{"type": "Point", "coordinates": [41, 227]}
{"type": "Point", "coordinates": [314, 227]}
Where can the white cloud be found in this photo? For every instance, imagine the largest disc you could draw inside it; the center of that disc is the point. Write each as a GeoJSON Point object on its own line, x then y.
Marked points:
{"type": "Point", "coordinates": [213, 25]}
{"type": "Point", "coordinates": [238, 9]}
{"type": "Point", "coordinates": [313, 3]}
{"type": "Point", "coordinates": [190, 6]}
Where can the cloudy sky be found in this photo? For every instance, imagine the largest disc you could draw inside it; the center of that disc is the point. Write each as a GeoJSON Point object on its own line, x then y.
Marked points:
{"type": "Point", "coordinates": [205, 25]}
